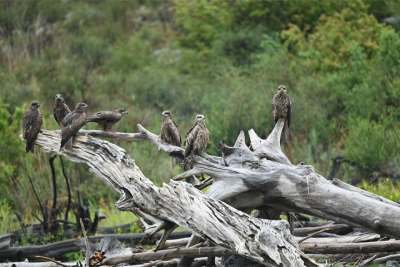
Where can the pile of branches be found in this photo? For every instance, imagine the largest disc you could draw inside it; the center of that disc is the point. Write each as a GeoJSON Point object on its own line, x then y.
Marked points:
{"type": "Point", "coordinates": [353, 224]}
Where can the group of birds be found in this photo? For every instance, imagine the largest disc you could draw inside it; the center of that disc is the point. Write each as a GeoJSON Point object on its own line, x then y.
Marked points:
{"type": "Point", "coordinates": [71, 122]}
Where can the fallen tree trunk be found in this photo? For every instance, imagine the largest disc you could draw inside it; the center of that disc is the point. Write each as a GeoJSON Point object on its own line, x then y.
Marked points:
{"type": "Point", "coordinates": [267, 242]}
{"type": "Point", "coordinates": [57, 249]}
{"type": "Point", "coordinates": [167, 254]}
{"type": "Point", "coordinates": [351, 248]}
{"type": "Point", "coordinates": [264, 177]}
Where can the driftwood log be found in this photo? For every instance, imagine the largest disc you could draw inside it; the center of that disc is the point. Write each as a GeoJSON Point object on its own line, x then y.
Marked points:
{"type": "Point", "coordinates": [259, 176]}
{"type": "Point", "coordinates": [266, 242]}
{"type": "Point", "coordinates": [57, 249]}
{"type": "Point", "coordinates": [262, 176]}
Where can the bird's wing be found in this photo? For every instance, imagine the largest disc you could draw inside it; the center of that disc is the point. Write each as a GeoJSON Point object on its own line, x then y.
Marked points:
{"type": "Point", "coordinates": [289, 111]}
{"type": "Point", "coordinates": [190, 138]}
{"type": "Point", "coordinates": [55, 115]}
{"type": "Point", "coordinates": [173, 133]}
{"type": "Point", "coordinates": [70, 130]}
{"type": "Point", "coordinates": [27, 121]}
{"type": "Point", "coordinates": [177, 132]}
{"type": "Point", "coordinates": [70, 117]}
{"type": "Point", "coordinates": [190, 130]}
{"type": "Point", "coordinates": [201, 140]}
{"type": "Point", "coordinates": [274, 107]}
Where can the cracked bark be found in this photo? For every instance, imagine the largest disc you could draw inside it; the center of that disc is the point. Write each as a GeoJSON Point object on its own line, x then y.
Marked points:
{"type": "Point", "coordinates": [267, 242]}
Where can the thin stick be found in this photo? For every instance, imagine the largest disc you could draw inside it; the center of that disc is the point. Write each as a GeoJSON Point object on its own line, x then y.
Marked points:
{"type": "Point", "coordinates": [315, 233]}
{"type": "Point", "coordinates": [50, 259]}
{"type": "Point", "coordinates": [386, 258]}
{"type": "Point", "coordinates": [87, 252]}
{"type": "Point", "coordinates": [37, 197]}
{"type": "Point", "coordinates": [54, 182]}
{"type": "Point", "coordinates": [67, 181]}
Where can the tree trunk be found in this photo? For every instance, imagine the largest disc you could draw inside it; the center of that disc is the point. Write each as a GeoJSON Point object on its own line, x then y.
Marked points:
{"type": "Point", "coordinates": [267, 242]}
{"type": "Point", "coordinates": [265, 177]}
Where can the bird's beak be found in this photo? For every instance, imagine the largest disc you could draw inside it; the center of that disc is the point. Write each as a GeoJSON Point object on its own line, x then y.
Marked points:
{"type": "Point", "coordinates": [125, 112]}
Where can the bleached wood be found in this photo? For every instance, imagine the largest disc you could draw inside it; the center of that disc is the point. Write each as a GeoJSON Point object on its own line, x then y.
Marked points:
{"type": "Point", "coordinates": [264, 241]}
{"type": "Point", "coordinates": [265, 177]}
{"type": "Point", "coordinates": [350, 187]}
{"type": "Point", "coordinates": [166, 254]}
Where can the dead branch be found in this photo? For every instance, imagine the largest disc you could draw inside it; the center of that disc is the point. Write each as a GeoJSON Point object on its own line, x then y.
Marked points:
{"type": "Point", "coordinates": [167, 254]}
{"type": "Point", "coordinates": [351, 248]}
{"type": "Point", "coordinates": [69, 201]}
{"type": "Point", "coordinates": [57, 249]}
{"type": "Point", "coordinates": [267, 242]}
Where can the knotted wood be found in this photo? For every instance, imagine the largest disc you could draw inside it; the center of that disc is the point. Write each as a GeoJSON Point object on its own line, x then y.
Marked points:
{"type": "Point", "coordinates": [267, 242]}
{"type": "Point", "coordinates": [262, 176]}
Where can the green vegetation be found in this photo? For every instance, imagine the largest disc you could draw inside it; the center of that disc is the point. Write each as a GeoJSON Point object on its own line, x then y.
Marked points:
{"type": "Point", "coordinates": [339, 60]}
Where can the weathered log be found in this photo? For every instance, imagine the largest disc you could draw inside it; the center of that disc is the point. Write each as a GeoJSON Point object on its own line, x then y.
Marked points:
{"type": "Point", "coordinates": [113, 135]}
{"type": "Point", "coordinates": [386, 258]}
{"type": "Point", "coordinates": [351, 248]}
{"type": "Point", "coordinates": [330, 228]}
{"type": "Point", "coordinates": [35, 264]}
{"type": "Point", "coordinates": [265, 177]}
{"type": "Point", "coordinates": [58, 249]}
{"type": "Point", "coordinates": [198, 262]}
{"type": "Point", "coordinates": [166, 254]}
{"type": "Point", "coordinates": [5, 240]}
{"type": "Point", "coordinates": [350, 187]}
{"type": "Point", "coordinates": [267, 242]}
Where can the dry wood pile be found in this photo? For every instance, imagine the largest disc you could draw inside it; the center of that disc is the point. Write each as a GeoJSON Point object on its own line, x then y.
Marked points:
{"type": "Point", "coordinates": [353, 225]}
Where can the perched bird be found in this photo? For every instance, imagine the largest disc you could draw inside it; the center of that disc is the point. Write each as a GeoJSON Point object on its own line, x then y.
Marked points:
{"type": "Point", "coordinates": [197, 137]}
{"type": "Point", "coordinates": [31, 124]}
{"type": "Point", "coordinates": [73, 122]}
{"type": "Point", "coordinates": [108, 118]}
{"type": "Point", "coordinates": [281, 108]}
{"type": "Point", "coordinates": [60, 109]}
{"type": "Point", "coordinates": [169, 130]}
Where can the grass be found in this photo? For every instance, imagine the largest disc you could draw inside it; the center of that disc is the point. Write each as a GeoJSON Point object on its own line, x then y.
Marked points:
{"type": "Point", "coordinates": [385, 187]}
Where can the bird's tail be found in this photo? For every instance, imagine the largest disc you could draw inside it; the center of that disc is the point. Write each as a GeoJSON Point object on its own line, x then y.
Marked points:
{"type": "Point", "coordinates": [29, 147]}
{"type": "Point", "coordinates": [285, 134]}
{"type": "Point", "coordinates": [67, 143]}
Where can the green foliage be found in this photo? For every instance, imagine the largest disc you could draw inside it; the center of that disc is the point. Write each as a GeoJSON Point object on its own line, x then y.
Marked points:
{"type": "Point", "coordinates": [386, 188]}
{"type": "Point", "coordinates": [372, 144]}
{"type": "Point", "coordinates": [8, 222]}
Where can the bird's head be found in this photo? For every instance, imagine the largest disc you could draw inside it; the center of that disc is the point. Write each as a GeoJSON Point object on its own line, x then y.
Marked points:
{"type": "Point", "coordinates": [35, 104]}
{"type": "Point", "coordinates": [81, 107]}
{"type": "Point", "coordinates": [200, 118]}
{"type": "Point", "coordinates": [122, 111]}
{"type": "Point", "coordinates": [166, 114]}
{"type": "Point", "coordinates": [282, 88]}
{"type": "Point", "coordinates": [59, 98]}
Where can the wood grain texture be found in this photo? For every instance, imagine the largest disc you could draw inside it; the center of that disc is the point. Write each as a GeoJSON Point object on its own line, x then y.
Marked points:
{"type": "Point", "coordinates": [264, 241]}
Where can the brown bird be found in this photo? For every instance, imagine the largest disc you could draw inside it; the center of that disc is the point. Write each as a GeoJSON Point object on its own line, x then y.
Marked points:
{"type": "Point", "coordinates": [197, 137]}
{"type": "Point", "coordinates": [169, 130]}
{"type": "Point", "coordinates": [31, 125]}
{"type": "Point", "coordinates": [73, 122]}
{"type": "Point", "coordinates": [60, 109]}
{"type": "Point", "coordinates": [107, 119]}
{"type": "Point", "coordinates": [281, 109]}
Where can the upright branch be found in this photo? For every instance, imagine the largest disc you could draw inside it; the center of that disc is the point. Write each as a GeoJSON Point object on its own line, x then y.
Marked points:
{"type": "Point", "coordinates": [267, 242]}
